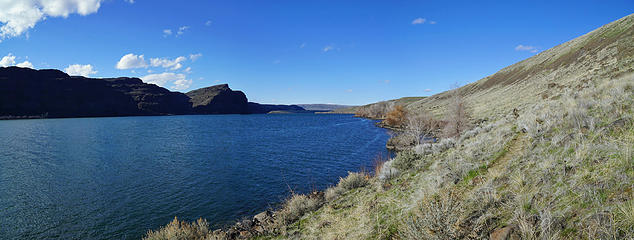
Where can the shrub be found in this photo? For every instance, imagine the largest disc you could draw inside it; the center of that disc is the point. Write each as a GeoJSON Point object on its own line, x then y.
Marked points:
{"type": "Point", "coordinates": [423, 149]}
{"type": "Point", "coordinates": [435, 218]}
{"type": "Point", "coordinates": [296, 207]}
{"type": "Point", "coordinates": [181, 230]}
{"type": "Point", "coordinates": [405, 160]}
{"type": "Point", "coordinates": [443, 145]}
{"type": "Point", "coordinates": [396, 117]}
{"type": "Point", "coordinates": [353, 180]}
{"type": "Point", "coordinates": [333, 193]}
{"type": "Point", "coordinates": [387, 172]}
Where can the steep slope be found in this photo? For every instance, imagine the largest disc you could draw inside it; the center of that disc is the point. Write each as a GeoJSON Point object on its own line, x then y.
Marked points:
{"type": "Point", "coordinates": [607, 52]}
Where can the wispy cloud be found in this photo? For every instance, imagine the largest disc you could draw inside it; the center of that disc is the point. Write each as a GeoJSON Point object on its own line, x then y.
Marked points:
{"type": "Point", "coordinates": [208, 23]}
{"type": "Point", "coordinates": [427, 90]}
{"type": "Point", "coordinates": [181, 30]}
{"type": "Point", "coordinates": [387, 81]}
{"type": "Point", "coordinates": [422, 21]}
{"type": "Point", "coordinates": [328, 48]}
{"type": "Point", "coordinates": [195, 57]}
{"type": "Point", "coordinates": [521, 47]}
{"type": "Point", "coordinates": [303, 45]}
{"type": "Point", "coordinates": [167, 32]}
{"type": "Point", "coordinates": [277, 61]}
{"type": "Point", "coordinates": [419, 21]}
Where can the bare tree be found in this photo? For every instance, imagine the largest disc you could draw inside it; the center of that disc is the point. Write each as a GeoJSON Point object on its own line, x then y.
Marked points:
{"type": "Point", "coordinates": [456, 116]}
{"type": "Point", "coordinates": [420, 125]}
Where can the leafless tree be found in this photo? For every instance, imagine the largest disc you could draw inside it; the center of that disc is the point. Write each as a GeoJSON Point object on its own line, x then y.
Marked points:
{"type": "Point", "coordinates": [456, 116]}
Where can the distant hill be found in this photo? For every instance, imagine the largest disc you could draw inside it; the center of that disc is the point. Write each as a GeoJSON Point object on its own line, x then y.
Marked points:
{"type": "Point", "coordinates": [399, 101]}
{"type": "Point", "coordinates": [322, 107]}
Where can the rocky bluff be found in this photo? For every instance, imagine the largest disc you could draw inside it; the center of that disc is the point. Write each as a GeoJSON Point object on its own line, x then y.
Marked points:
{"type": "Point", "coordinates": [29, 93]}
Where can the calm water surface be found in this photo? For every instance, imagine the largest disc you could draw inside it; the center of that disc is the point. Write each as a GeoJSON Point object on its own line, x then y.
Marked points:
{"type": "Point", "coordinates": [115, 178]}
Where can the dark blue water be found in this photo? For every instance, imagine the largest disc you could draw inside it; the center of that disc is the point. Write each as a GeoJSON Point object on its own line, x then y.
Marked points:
{"type": "Point", "coordinates": [115, 178]}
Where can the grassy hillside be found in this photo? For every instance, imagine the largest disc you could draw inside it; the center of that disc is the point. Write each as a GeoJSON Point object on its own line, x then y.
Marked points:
{"type": "Point", "coordinates": [549, 156]}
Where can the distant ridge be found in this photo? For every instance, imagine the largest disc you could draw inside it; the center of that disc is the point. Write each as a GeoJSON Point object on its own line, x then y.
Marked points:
{"type": "Point", "coordinates": [323, 107]}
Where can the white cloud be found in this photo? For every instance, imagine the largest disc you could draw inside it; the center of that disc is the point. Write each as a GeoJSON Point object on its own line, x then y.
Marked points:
{"type": "Point", "coordinates": [188, 70]}
{"type": "Point", "coordinates": [387, 81]}
{"type": "Point", "coordinates": [25, 64]}
{"type": "Point", "coordinates": [167, 32]}
{"type": "Point", "coordinates": [18, 16]}
{"type": "Point", "coordinates": [177, 81]}
{"type": "Point", "coordinates": [167, 63]}
{"type": "Point", "coordinates": [80, 70]}
{"type": "Point", "coordinates": [328, 48]}
{"type": "Point", "coordinates": [195, 57]}
{"type": "Point", "coordinates": [526, 48]}
{"type": "Point", "coordinates": [8, 60]}
{"type": "Point", "coordinates": [182, 84]}
{"type": "Point", "coordinates": [419, 21]}
{"type": "Point", "coordinates": [348, 90]}
{"type": "Point", "coordinates": [130, 1]}
{"type": "Point", "coordinates": [208, 23]}
{"type": "Point", "coordinates": [131, 61]}
{"type": "Point", "coordinates": [432, 22]}
{"type": "Point", "coordinates": [427, 90]}
{"type": "Point", "coordinates": [302, 45]}
{"type": "Point", "coordinates": [182, 30]}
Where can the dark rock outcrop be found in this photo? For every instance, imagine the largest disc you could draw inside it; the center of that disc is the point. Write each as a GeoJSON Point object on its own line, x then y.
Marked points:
{"type": "Point", "coordinates": [218, 99]}
{"type": "Point", "coordinates": [29, 93]}
{"type": "Point", "coordinates": [26, 92]}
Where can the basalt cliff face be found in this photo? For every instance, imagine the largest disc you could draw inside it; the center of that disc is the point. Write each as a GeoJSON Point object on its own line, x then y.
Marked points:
{"type": "Point", "coordinates": [29, 93]}
{"type": "Point", "coordinates": [218, 99]}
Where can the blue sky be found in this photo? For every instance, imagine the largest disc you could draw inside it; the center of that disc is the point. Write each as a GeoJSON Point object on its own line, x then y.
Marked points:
{"type": "Point", "coordinates": [345, 52]}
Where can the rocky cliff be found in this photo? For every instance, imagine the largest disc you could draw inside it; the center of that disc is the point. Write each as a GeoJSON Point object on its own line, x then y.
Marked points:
{"type": "Point", "coordinates": [218, 99]}
{"type": "Point", "coordinates": [29, 93]}
{"type": "Point", "coordinates": [51, 93]}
